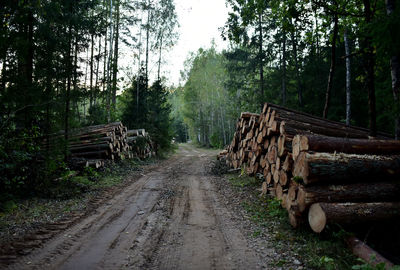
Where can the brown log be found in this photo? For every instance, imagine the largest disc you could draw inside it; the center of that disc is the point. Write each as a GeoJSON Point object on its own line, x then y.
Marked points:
{"type": "Point", "coordinates": [269, 178]}
{"type": "Point", "coordinates": [370, 192]}
{"type": "Point", "coordinates": [276, 175]}
{"type": "Point", "coordinates": [272, 154]}
{"type": "Point", "coordinates": [295, 221]}
{"type": "Point", "coordinates": [293, 190]}
{"type": "Point", "coordinates": [320, 214]}
{"type": "Point", "coordinates": [363, 251]}
{"type": "Point", "coordinates": [284, 145]}
{"type": "Point", "coordinates": [248, 115]}
{"type": "Point", "coordinates": [93, 154]}
{"type": "Point", "coordinates": [315, 120]}
{"type": "Point", "coordinates": [283, 179]}
{"type": "Point", "coordinates": [91, 147]}
{"type": "Point", "coordinates": [288, 163]}
{"type": "Point", "coordinates": [264, 188]}
{"type": "Point", "coordinates": [318, 143]}
{"type": "Point", "coordinates": [328, 167]}
{"type": "Point", "coordinates": [279, 192]}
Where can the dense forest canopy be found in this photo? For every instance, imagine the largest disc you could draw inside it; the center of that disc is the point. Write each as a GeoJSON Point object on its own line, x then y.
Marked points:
{"type": "Point", "coordinates": [337, 59]}
{"type": "Point", "coordinates": [63, 65]}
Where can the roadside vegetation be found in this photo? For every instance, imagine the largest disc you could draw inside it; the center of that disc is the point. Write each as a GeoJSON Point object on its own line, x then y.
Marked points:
{"type": "Point", "coordinates": [72, 193]}
{"type": "Point", "coordinates": [325, 251]}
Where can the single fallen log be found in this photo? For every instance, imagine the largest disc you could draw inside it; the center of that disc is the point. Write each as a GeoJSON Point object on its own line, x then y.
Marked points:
{"type": "Point", "coordinates": [320, 214]}
{"type": "Point", "coordinates": [365, 192]}
{"type": "Point", "coordinates": [318, 143]}
{"type": "Point", "coordinates": [332, 167]}
{"type": "Point", "coordinates": [363, 251]}
{"type": "Point", "coordinates": [315, 120]}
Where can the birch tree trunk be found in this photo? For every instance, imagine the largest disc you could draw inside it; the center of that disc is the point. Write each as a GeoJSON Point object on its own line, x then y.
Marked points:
{"type": "Point", "coordinates": [284, 69]}
{"type": "Point", "coordinates": [115, 63]}
{"type": "Point", "coordinates": [332, 68]}
{"type": "Point", "coordinates": [348, 78]}
{"type": "Point", "coordinates": [260, 52]}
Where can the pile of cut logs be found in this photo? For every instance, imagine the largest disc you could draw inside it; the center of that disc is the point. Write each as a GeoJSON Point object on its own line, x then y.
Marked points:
{"type": "Point", "coordinates": [91, 146]}
{"type": "Point", "coordinates": [141, 144]}
{"type": "Point", "coordinates": [320, 169]}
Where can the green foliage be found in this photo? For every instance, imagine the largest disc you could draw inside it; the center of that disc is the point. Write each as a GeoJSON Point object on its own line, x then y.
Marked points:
{"type": "Point", "coordinates": [369, 266]}
{"type": "Point", "coordinates": [151, 112]}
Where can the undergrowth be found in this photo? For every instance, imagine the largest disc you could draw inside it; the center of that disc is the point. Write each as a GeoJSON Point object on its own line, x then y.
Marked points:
{"type": "Point", "coordinates": [325, 251]}
{"type": "Point", "coordinates": [64, 195]}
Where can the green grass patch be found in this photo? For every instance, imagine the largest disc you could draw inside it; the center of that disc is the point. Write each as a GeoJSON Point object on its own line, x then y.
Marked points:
{"type": "Point", "coordinates": [243, 181]}
{"type": "Point", "coordinates": [326, 251]}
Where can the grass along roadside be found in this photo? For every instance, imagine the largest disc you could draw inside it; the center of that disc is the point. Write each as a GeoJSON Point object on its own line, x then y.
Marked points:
{"type": "Point", "coordinates": [326, 251]}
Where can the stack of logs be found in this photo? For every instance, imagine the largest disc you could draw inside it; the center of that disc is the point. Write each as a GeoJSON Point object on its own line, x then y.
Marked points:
{"type": "Point", "coordinates": [320, 169]}
{"type": "Point", "coordinates": [140, 143]}
{"type": "Point", "coordinates": [91, 146]}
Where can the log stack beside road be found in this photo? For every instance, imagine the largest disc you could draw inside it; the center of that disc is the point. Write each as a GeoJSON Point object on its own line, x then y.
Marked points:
{"type": "Point", "coordinates": [322, 171]}
{"type": "Point", "coordinates": [91, 146]}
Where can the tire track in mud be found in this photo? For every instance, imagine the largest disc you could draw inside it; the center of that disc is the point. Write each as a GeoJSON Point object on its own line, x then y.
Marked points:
{"type": "Point", "coordinates": [169, 219]}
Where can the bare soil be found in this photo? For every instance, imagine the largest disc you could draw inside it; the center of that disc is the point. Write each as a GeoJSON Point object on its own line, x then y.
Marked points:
{"type": "Point", "coordinates": [173, 217]}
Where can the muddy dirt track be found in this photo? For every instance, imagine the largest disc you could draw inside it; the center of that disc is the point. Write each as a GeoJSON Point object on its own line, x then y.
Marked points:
{"type": "Point", "coordinates": [170, 218]}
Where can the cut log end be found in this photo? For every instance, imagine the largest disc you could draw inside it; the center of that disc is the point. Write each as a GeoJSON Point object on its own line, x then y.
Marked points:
{"type": "Point", "coordinates": [316, 218]}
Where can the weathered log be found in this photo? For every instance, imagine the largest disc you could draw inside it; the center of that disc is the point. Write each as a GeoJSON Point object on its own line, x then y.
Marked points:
{"type": "Point", "coordinates": [318, 121]}
{"type": "Point", "coordinates": [363, 251]}
{"type": "Point", "coordinates": [320, 214]}
{"type": "Point", "coordinates": [328, 167]}
{"type": "Point", "coordinates": [370, 192]}
{"type": "Point", "coordinates": [320, 143]}
{"type": "Point", "coordinates": [288, 163]}
{"type": "Point", "coordinates": [93, 154]}
{"type": "Point", "coordinates": [91, 147]}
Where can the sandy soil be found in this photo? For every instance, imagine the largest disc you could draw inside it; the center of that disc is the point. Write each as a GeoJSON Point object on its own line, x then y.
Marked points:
{"type": "Point", "coordinates": [171, 218]}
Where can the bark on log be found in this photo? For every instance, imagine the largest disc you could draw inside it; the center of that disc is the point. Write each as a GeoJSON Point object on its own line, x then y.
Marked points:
{"type": "Point", "coordinates": [328, 167]}
{"type": "Point", "coordinates": [308, 118]}
{"type": "Point", "coordinates": [371, 192]}
{"type": "Point", "coordinates": [363, 251]}
{"type": "Point", "coordinates": [320, 214]}
{"type": "Point", "coordinates": [320, 143]}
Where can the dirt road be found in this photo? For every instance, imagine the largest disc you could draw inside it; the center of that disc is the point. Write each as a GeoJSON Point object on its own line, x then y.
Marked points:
{"type": "Point", "coordinates": [171, 218]}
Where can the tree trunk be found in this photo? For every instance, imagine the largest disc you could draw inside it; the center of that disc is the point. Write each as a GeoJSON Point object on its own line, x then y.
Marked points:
{"type": "Point", "coordinates": [369, 192]}
{"type": "Point", "coordinates": [395, 73]}
{"type": "Point", "coordinates": [260, 55]}
{"type": "Point", "coordinates": [75, 79]}
{"type": "Point", "coordinates": [361, 250]}
{"type": "Point", "coordinates": [321, 214]}
{"type": "Point", "coordinates": [336, 168]}
{"type": "Point", "coordinates": [332, 68]}
{"type": "Point", "coordinates": [369, 65]}
{"type": "Point", "coordinates": [91, 71]}
{"type": "Point", "coordinates": [115, 63]}
{"type": "Point", "coordinates": [348, 78]}
{"type": "Point", "coordinates": [96, 85]}
{"type": "Point", "coordinates": [298, 77]}
{"type": "Point", "coordinates": [159, 58]}
{"type": "Point", "coordinates": [318, 143]}
{"type": "Point", "coordinates": [109, 63]}
{"type": "Point", "coordinates": [68, 90]}
{"type": "Point", "coordinates": [147, 44]}
{"type": "Point", "coordinates": [284, 69]}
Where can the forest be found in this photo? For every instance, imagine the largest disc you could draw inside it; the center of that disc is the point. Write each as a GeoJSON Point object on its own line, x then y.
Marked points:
{"type": "Point", "coordinates": [63, 65]}
{"type": "Point", "coordinates": [335, 59]}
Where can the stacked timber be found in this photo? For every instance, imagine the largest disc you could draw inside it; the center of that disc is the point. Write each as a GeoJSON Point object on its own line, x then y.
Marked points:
{"type": "Point", "coordinates": [309, 162]}
{"type": "Point", "coordinates": [140, 143]}
{"type": "Point", "coordinates": [90, 146]}
{"type": "Point", "coordinates": [345, 180]}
